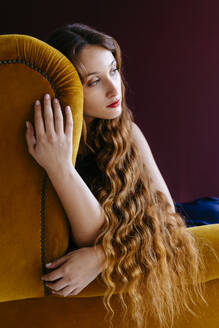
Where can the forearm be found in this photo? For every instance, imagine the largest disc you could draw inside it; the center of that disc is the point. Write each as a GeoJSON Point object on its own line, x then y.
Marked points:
{"type": "Point", "coordinates": [81, 207]}
{"type": "Point", "coordinates": [100, 255]}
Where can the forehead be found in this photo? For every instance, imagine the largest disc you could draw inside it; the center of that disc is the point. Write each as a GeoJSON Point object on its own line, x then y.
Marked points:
{"type": "Point", "coordinates": [95, 58]}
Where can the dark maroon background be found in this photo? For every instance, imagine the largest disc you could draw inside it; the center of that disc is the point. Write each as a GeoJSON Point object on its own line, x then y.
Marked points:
{"type": "Point", "coordinates": [171, 63]}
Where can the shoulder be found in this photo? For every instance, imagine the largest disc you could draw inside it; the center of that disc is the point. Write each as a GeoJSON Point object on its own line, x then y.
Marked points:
{"type": "Point", "coordinates": [139, 139]}
{"type": "Point", "coordinates": [148, 161]}
{"type": "Point", "coordinates": [146, 157]}
{"type": "Point", "coordinates": [136, 132]}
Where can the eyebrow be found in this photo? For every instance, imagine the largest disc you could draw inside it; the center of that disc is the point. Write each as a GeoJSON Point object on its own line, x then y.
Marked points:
{"type": "Point", "coordinates": [99, 72]}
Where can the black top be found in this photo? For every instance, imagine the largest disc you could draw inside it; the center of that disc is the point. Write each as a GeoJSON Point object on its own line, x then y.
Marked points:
{"type": "Point", "coordinates": [86, 167]}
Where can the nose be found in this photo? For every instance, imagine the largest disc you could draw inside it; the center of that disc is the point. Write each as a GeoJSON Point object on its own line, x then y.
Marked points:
{"type": "Point", "coordinates": [112, 89]}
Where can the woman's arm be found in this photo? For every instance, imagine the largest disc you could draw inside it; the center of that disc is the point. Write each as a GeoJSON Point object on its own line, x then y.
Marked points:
{"type": "Point", "coordinates": [82, 208]}
{"type": "Point", "coordinates": [52, 149]}
{"type": "Point", "coordinates": [74, 271]}
{"type": "Point", "coordinates": [51, 146]}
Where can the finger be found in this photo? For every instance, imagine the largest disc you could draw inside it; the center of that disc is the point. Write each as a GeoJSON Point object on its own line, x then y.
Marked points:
{"type": "Point", "coordinates": [38, 119]}
{"type": "Point", "coordinates": [68, 121]}
{"type": "Point", "coordinates": [76, 291]}
{"type": "Point", "coordinates": [58, 285]}
{"type": "Point", "coordinates": [64, 292]}
{"type": "Point", "coordinates": [57, 262]}
{"type": "Point", "coordinates": [54, 275]}
{"type": "Point", "coordinates": [30, 138]}
{"type": "Point", "coordinates": [58, 117]}
{"type": "Point", "coordinates": [48, 115]}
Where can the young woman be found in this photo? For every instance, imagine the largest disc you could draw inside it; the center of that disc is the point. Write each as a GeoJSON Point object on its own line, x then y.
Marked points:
{"type": "Point", "coordinates": [115, 196]}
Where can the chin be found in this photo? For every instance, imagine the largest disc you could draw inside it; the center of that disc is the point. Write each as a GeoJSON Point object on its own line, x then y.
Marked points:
{"type": "Point", "coordinates": [117, 114]}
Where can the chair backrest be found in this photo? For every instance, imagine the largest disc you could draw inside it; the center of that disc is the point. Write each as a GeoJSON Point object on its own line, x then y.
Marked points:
{"type": "Point", "coordinates": [33, 224]}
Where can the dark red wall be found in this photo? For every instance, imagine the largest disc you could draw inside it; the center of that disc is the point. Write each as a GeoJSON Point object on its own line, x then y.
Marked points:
{"type": "Point", "coordinates": [171, 63]}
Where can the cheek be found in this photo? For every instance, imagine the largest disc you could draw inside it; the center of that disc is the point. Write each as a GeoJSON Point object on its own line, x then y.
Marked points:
{"type": "Point", "coordinates": [90, 101]}
{"type": "Point", "coordinates": [119, 83]}
{"type": "Point", "coordinates": [87, 98]}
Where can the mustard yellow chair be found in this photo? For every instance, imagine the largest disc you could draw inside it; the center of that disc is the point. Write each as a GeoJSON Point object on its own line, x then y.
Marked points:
{"type": "Point", "coordinates": [34, 227]}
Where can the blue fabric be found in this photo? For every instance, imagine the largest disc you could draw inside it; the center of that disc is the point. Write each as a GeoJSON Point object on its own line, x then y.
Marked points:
{"type": "Point", "coordinates": [201, 211]}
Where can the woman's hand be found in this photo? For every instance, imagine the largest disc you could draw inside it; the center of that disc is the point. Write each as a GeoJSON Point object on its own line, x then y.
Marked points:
{"type": "Point", "coordinates": [75, 271]}
{"type": "Point", "coordinates": [52, 145]}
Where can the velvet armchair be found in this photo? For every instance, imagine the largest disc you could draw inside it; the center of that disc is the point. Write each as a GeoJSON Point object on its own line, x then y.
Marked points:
{"type": "Point", "coordinates": [34, 227]}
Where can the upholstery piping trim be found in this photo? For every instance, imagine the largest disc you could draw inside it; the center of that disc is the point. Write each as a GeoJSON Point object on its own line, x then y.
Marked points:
{"type": "Point", "coordinates": [22, 61]}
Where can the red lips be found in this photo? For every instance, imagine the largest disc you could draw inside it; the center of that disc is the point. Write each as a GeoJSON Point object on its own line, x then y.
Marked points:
{"type": "Point", "coordinates": [115, 104]}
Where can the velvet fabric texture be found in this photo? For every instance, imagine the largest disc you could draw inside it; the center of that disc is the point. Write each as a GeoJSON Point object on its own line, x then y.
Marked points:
{"type": "Point", "coordinates": [86, 309]}
{"type": "Point", "coordinates": [34, 227]}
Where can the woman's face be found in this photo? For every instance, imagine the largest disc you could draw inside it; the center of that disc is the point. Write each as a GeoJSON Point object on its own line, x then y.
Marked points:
{"type": "Point", "coordinates": [102, 83]}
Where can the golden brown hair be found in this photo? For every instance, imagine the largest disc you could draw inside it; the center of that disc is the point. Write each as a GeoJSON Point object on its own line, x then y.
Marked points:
{"type": "Point", "coordinates": [153, 262]}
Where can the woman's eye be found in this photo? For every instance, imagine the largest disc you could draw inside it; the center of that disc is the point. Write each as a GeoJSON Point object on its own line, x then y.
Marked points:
{"type": "Point", "coordinates": [93, 83]}
{"type": "Point", "coordinates": [96, 81]}
{"type": "Point", "coordinates": [114, 70]}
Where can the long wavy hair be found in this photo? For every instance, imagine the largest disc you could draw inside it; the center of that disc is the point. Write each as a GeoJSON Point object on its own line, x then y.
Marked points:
{"type": "Point", "coordinates": [153, 263]}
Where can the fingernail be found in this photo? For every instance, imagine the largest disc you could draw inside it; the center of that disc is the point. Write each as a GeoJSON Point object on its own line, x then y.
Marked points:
{"type": "Point", "coordinates": [47, 96]}
{"type": "Point", "coordinates": [48, 264]}
{"type": "Point", "coordinates": [27, 124]}
{"type": "Point", "coordinates": [37, 102]}
{"type": "Point", "coordinates": [68, 107]}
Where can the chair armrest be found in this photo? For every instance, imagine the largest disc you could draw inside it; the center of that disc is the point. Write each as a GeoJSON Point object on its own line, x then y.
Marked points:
{"type": "Point", "coordinates": [205, 235]}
